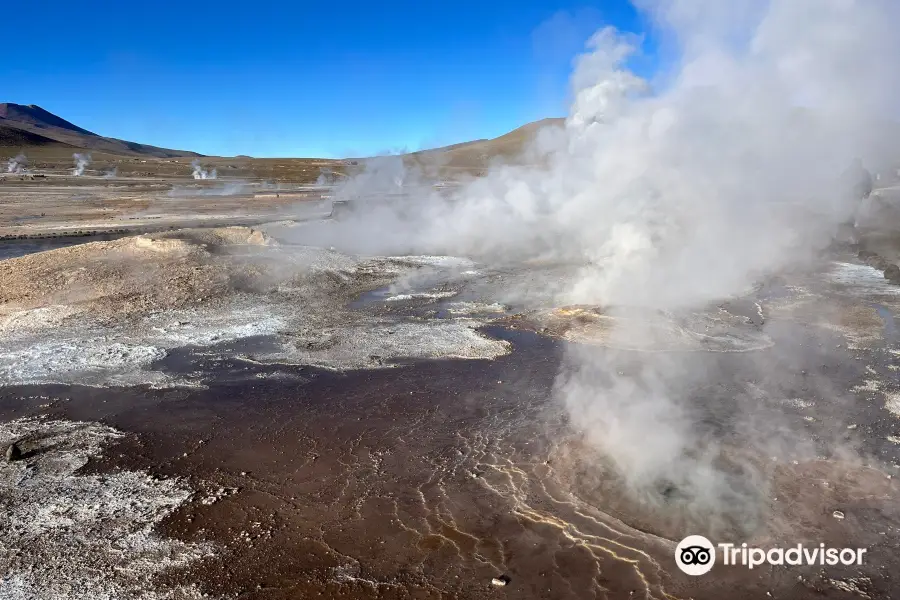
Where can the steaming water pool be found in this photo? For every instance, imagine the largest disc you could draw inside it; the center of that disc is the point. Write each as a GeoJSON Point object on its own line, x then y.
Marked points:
{"type": "Point", "coordinates": [862, 279]}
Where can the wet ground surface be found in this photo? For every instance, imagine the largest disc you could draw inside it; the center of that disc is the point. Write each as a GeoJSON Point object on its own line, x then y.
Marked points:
{"type": "Point", "coordinates": [16, 248]}
{"type": "Point", "coordinates": [429, 479]}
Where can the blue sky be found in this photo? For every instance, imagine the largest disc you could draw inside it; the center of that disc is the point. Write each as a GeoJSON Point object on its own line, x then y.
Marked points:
{"type": "Point", "coordinates": [301, 78]}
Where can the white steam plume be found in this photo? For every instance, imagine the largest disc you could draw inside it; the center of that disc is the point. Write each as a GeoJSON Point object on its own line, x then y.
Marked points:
{"type": "Point", "coordinates": [200, 172]}
{"type": "Point", "coordinates": [233, 188]}
{"type": "Point", "coordinates": [16, 164]}
{"type": "Point", "coordinates": [81, 163]}
{"type": "Point", "coordinates": [691, 195]}
{"type": "Point", "coordinates": [675, 197]}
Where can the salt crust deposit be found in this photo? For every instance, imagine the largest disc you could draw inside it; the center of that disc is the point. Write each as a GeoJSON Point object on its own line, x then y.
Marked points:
{"type": "Point", "coordinates": [863, 279]}
{"type": "Point", "coordinates": [103, 313]}
{"type": "Point", "coordinates": [68, 535]}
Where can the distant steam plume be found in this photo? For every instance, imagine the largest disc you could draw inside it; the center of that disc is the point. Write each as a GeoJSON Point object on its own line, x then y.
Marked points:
{"type": "Point", "coordinates": [81, 163]}
{"type": "Point", "coordinates": [16, 164]}
{"type": "Point", "coordinates": [326, 177]}
{"type": "Point", "coordinates": [200, 172]}
{"type": "Point", "coordinates": [232, 188]}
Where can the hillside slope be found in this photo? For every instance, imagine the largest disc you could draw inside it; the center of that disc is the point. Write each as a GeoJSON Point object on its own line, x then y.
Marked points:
{"type": "Point", "coordinates": [478, 154]}
{"type": "Point", "coordinates": [35, 120]}
{"type": "Point", "coordinates": [10, 137]}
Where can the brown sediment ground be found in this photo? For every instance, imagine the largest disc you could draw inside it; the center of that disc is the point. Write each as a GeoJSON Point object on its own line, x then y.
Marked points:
{"type": "Point", "coordinates": [859, 323]}
{"type": "Point", "coordinates": [65, 532]}
{"type": "Point", "coordinates": [430, 478]}
{"type": "Point", "coordinates": [75, 206]}
{"type": "Point", "coordinates": [129, 276]}
{"type": "Point", "coordinates": [429, 481]}
{"type": "Point", "coordinates": [647, 330]}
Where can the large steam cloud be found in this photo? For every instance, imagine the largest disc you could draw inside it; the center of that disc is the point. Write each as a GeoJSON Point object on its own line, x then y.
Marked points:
{"type": "Point", "coordinates": [691, 195]}
{"type": "Point", "coordinates": [645, 188]}
{"type": "Point", "coordinates": [671, 195]}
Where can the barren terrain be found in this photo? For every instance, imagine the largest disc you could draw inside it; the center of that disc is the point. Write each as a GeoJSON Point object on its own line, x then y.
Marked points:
{"type": "Point", "coordinates": [197, 399]}
{"type": "Point", "coordinates": [316, 423]}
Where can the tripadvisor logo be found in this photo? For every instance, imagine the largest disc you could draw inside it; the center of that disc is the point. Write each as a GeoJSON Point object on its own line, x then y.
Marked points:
{"type": "Point", "coordinates": [696, 555]}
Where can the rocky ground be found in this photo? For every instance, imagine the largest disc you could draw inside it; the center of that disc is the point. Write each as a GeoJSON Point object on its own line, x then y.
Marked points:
{"type": "Point", "coordinates": [124, 278]}
{"type": "Point", "coordinates": [105, 312]}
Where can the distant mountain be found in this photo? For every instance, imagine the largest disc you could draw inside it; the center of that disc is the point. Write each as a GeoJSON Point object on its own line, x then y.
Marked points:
{"type": "Point", "coordinates": [479, 153]}
{"type": "Point", "coordinates": [23, 126]}
{"type": "Point", "coordinates": [49, 128]}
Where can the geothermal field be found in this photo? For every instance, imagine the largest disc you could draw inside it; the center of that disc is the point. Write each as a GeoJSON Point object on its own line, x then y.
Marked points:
{"type": "Point", "coordinates": [525, 368]}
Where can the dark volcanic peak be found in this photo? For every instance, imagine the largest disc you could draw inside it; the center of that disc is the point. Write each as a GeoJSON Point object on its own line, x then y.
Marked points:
{"type": "Point", "coordinates": [38, 117]}
{"type": "Point", "coordinates": [33, 119]}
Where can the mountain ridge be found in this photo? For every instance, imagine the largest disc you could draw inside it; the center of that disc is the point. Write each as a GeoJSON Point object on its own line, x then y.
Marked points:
{"type": "Point", "coordinates": [32, 119]}
{"type": "Point", "coordinates": [31, 125]}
